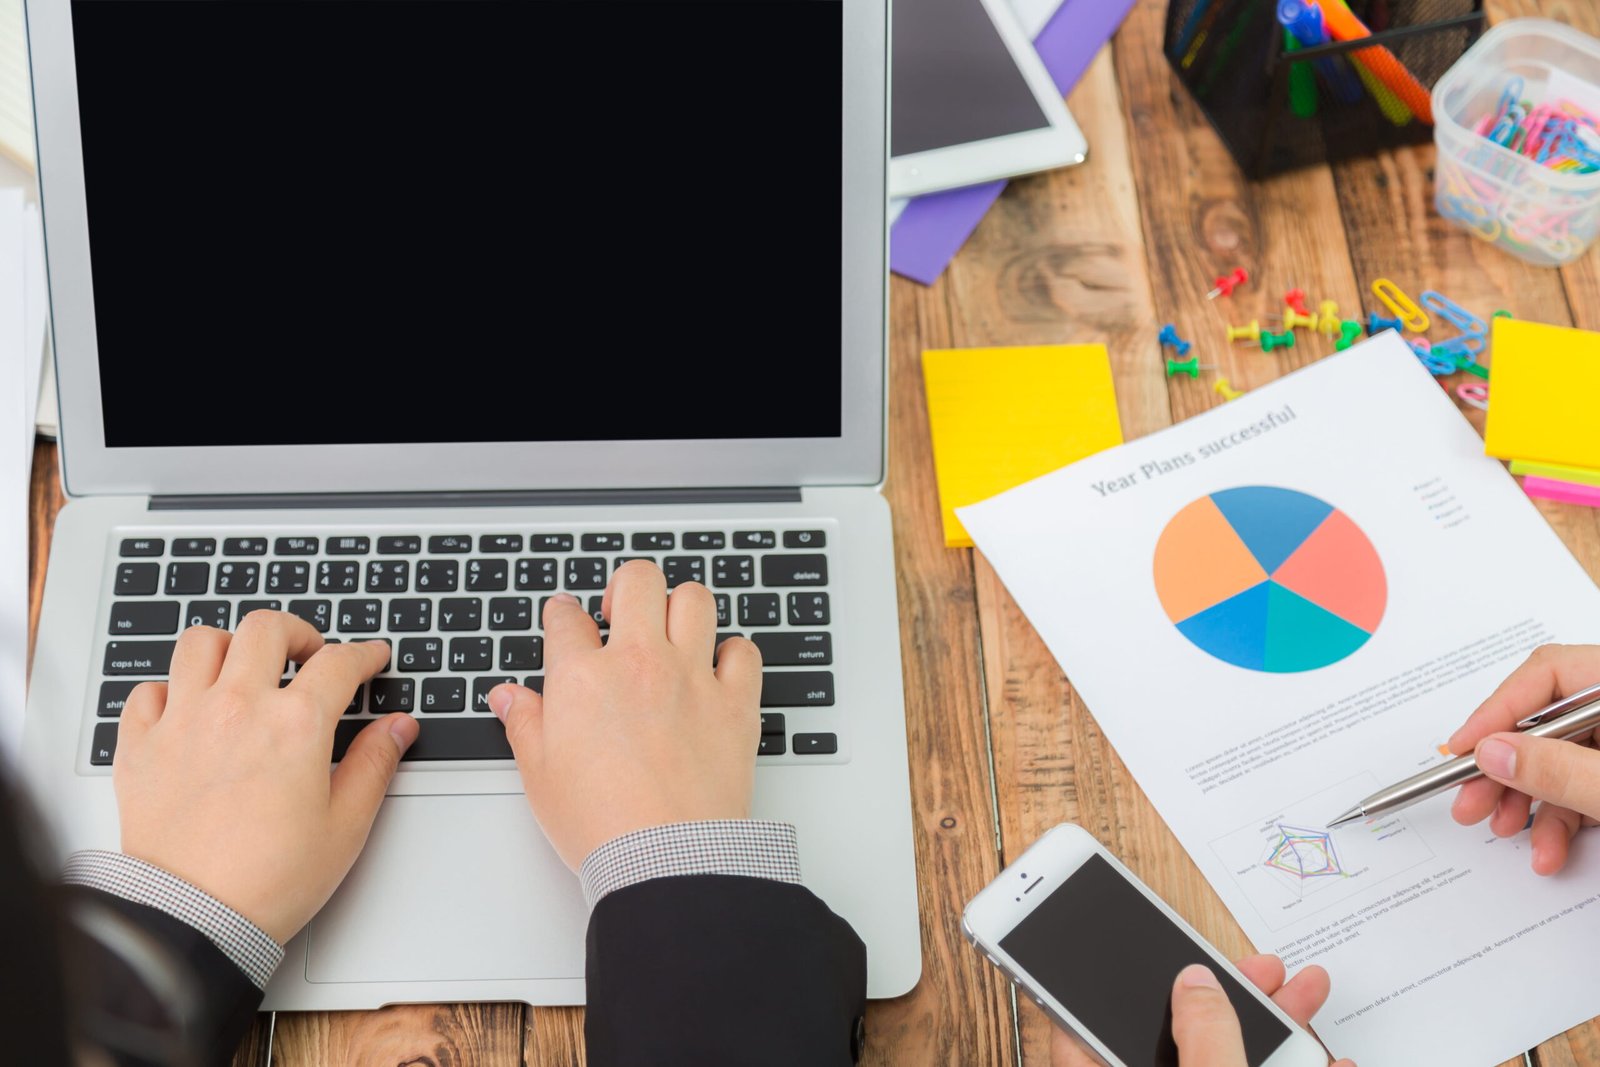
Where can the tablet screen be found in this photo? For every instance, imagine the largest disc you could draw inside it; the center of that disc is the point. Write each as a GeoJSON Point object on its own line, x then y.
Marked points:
{"type": "Point", "coordinates": [954, 80]}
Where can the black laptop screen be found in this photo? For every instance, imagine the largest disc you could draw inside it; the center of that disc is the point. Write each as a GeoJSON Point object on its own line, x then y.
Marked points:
{"type": "Point", "coordinates": [378, 221]}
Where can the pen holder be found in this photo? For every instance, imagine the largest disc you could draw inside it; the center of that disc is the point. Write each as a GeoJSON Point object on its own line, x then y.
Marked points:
{"type": "Point", "coordinates": [1279, 106]}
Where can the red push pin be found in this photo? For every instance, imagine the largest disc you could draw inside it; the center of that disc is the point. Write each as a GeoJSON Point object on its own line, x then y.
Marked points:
{"type": "Point", "coordinates": [1295, 300]}
{"type": "Point", "coordinates": [1226, 285]}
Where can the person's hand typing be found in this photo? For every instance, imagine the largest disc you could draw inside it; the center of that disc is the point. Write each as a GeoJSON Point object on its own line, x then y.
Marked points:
{"type": "Point", "coordinates": [641, 731]}
{"type": "Point", "coordinates": [1204, 1025]}
{"type": "Point", "coordinates": [222, 778]}
{"type": "Point", "coordinates": [1563, 775]}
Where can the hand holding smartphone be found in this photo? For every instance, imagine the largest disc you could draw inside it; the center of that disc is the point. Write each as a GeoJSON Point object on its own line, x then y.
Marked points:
{"type": "Point", "coordinates": [1100, 953]}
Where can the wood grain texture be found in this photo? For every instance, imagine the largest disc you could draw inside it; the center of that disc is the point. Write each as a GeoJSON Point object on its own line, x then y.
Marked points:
{"type": "Point", "coordinates": [411, 1035]}
{"type": "Point", "coordinates": [554, 1038]}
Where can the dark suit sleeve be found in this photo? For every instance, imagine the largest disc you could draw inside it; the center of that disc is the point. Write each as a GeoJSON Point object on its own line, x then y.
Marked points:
{"type": "Point", "coordinates": [224, 999]}
{"type": "Point", "coordinates": [720, 969]}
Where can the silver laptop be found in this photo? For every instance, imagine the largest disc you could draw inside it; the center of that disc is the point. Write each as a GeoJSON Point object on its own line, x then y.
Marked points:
{"type": "Point", "coordinates": [403, 316]}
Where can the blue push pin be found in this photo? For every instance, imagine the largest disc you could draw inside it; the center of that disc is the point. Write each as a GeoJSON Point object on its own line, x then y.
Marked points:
{"type": "Point", "coordinates": [1169, 336]}
{"type": "Point", "coordinates": [1376, 323]}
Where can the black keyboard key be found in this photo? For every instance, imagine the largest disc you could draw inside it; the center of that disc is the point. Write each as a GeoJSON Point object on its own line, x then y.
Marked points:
{"type": "Point", "coordinates": [759, 609]}
{"type": "Point", "coordinates": [349, 546]}
{"type": "Point", "coordinates": [339, 576]}
{"type": "Point", "coordinates": [460, 613]}
{"type": "Point", "coordinates": [187, 579]}
{"type": "Point", "coordinates": [420, 654]}
{"type": "Point", "coordinates": [480, 691]}
{"type": "Point", "coordinates": [815, 744]}
{"type": "Point", "coordinates": [755, 539]}
{"type": "Point", "coordinates": [808, 609]}
{"type": "Point", "coordinates": [388, 575]}
{"type": "Point", "coordinates": [144, 617]}
{"type": "Point", "coordinates": [586, 572]}
{"type": "Point", "coordinates": [620, 560]}
{"type": "Point", "coordinates": [360, 616]}
{"type": "Point", "coordinates": [680, 569]}
{"type": "Point", "coordinates": [804, 539]}
{"type": "Point", "coordinates": [771, 723]}
{"type": "Point", "coordinates": [137, 657]}
{"type": "Point", "coordinates": [522, 653]}
{"type": "Point", "coordinates": [471, 654]}
{"type": "Point", "coordinates": [653, 542]}
{"type": "Point", "coordinates": [796, 689]}
{"type": "Point", "coordinates": [724, 610]}
{"type": "Point", "coordinates": [247, 606]}
{"type": "Point", "coordinates": [510, 613]}
{"type": "Point", "coordinates": [143, 546]}
{"type": "Point", "coordinates": [358, 700]}
{"type": "Point", "coordinates": [500, 543]}
{"type": "Point", "coordinates": [319, 613]}
{"type": "Point", "coordinates": [393, 694]}
{"type": "Point", "coordinates": [113, 698]}
{"type": "Point", "coordinates": [444, 694]}
{"type": "Point", "coordinates": [103, 747]}
{"type": "Point", "coordinates": [213, 613]}
{"type": "Point", "coordinates": [293, 576]}
{"type": "Point", "coordinates": [770, 745]}
{"type": "Point", "coordinates": [602, 542]}
{"type": "Point", "coordinates": [295, 546]}
{"type": "Point", "coordinates": [486, 575]}
{"type": "Point", "coordinates": [596, 612]}
{"type": "Point", "coordinates": [549, 542]}
{"type": "Point", "coordinates": [399, 545]}
{"type": "Point", "coordinates": [137, 579]}
{"type": "Point", "coordinates": [438, 575]}
{"type": "Point", "coordinates": [410, 614]}
{"type": "Point", "coordinates": [443, 543]}
{"type": "Point", "coordinates": [534, 682]}
{"type": "Point", "coordinates": [704, 540]}
{"type": "Point", "coordinates": [537, 573]}
{"type": "Point", "coordinates": [441, 739]}
{"type": "Point", "coordinates": [733, 572]}
{"type": "Point", "coordinates": [244, 546]}
{"type": "Point", "coordinates": [795, 649]}
{"type": "Point", "coordinates": [194, 546]}
{"type": "Point", "coordinates": [235, 579]}
{"type": "Point", "coordinates": [779, 571]}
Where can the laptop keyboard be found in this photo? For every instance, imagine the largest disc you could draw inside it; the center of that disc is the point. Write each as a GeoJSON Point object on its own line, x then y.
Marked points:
{"type": "Point", "coordinates": [463, 613]}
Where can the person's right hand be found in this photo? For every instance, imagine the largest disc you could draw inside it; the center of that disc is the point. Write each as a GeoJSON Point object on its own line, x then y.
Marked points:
{"type": "Point", "coordinates": [641, 731]}
{"type": "Point", "coordinates": [1563, 775]}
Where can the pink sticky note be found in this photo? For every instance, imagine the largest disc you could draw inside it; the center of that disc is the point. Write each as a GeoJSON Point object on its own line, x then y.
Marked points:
{"type": "Point", "coordinates": [1566, 492]}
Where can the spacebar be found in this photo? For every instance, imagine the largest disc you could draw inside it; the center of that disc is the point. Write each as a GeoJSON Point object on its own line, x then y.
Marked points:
{"type": "Point", "coordinates": [452, 739]}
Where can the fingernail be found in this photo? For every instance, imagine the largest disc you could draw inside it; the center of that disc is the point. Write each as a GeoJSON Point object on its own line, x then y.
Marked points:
{"type": "Point", "coordinates": [403, 732]}
{"type": "Point", "coordinates": [564, 598]}
{"type": "Point", "coordinates": [500, 702]}
{"type": "Point", "coordinates": [1497, 759]}
{"type": "Point", "coordinates": [1198, 976]}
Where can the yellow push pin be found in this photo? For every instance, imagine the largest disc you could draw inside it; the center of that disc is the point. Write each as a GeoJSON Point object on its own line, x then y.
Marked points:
{"type": "Point", "coordinates": [1251, 332]}
{"type": "Point", "coordinates": [1227, 391]}
{"type": "Point", "coordinates": [1329, 322]}
{"type": "Point", "coordinates": [1292, 318]}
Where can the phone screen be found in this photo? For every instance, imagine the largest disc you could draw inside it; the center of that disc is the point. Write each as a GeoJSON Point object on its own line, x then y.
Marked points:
{"type": "Point", "coordinates": [1110, 956]}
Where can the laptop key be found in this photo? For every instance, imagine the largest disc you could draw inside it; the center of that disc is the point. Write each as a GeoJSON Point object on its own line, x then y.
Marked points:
{"type": "Point", "coordinates": [393, 694]}
{"type": "Point", "coordinates": [586, 572]}
{"type": "Point", "coordinates": [144, 617]}
{"type": "Point", "coordinates": [680, 569]}
{"type": "Point", "coordinates": [522, 653]}
{"type": "Point", "coordinates": [237, 578]}
{"type": "Point", "coordinates": [441, 739]}
{"type": "Point", "coordinates": [358, 700]}
{"type": "Point", "coordinates": [349, 546]}
{"type": "Point", "coordinates": [804, 539]}
{"type": "Point", "coordinates": [295, 546]}
{"type": "Point", "coordinates": [399, 545]}
{"type": "Point", "coordinates": [597, 612]}
{"type": "Point", "coordinates": [815, 744]}
{"type": "Point", "coordinates": [438, 575]}
{"type": "Point", "coordinates": [704, 540]}
{"type": "Point", "coordinates": [796, 689]}
{"type": "Point", "coordinates": [533, 574]}
{"type": "Point", "coordinates": [755, 539]}
{"type": "Point", "coordinates": [724, 610]}
{"type": "Point", "coordinates": [244, 546]}
{"type": "Point", "coordinates": [733, 572]}
{"type": "Point", "coordinates": [771, 723]}
{"type": "Point", "coordinates": [187, 578]}
{"type": "Point", "coordinates": [759, 609]}
{"type": "Point", "coordinates": [142, 546]}
{"type": "Point", "coordinates": [480, 692]}
{"type": "Point", "coordinates": [137, 579]}
{"type": "Point", "coordinates": [620, 560]}
{"type": "Point", "coordinates": [339, 576]}
{"type": "Point", "coordinates": [444, 694]}
{"type": "Point", "coordinates": [779, 571]}
{"type": "Point", "coordinates": [212, 613]}
{"type": "Point", "coordinates": [113, 698]}
{"type": "Point", "coordinates": [770, 745]}
{"type": "Point", "coordinates": [360, 616]}
{"type": "Point", "coordinates": [194, 546]}
{"type": "Point", "coordinates": [550, 542]}
{"type": "Point", "coordinates": [293, 576]}
{"type": "Point", "coordinates": [471, 654]}
{"type": "Point", "coordinates": [388, 575]}
{"type": "Point", "coordinates": [103, 747]}
{"type": "Point", "coordinates": [653, 542]}
{"type": "Point", "coordinates": [486, 575]}
{"type": "Point", "coordinates": [442, 543]}
{"type": "Point", "coordinates": [602, 542]}
{"type": "Point", "coordinates": [247, 606]}
{"type": "Point", "coordinates": [510, 613]}
{"type": "Point", "coordinates": [319, 613]}
{"type": "Point", "coordinates": [410, 615]}
{"type": "Point", "coordinates": [534, 682]}
{"type": "Point", "coordinates": [795, 649]}
{"type": "Point", "coordinates": [137, 657]}
{"type": "Point", "coordinates": [808, 609]}
{"type": "Point", "coordinates": [500, 543]}
{"type": "Point", "coordinates": [421, 654]}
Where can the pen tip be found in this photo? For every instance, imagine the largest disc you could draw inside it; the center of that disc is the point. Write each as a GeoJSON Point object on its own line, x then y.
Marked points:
{"type": "Point", "coordinates": [1350, 816]}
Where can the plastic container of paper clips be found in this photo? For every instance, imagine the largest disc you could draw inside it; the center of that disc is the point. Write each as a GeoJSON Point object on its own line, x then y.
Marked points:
{"type": "Point", "coordinates": [1519, 149]}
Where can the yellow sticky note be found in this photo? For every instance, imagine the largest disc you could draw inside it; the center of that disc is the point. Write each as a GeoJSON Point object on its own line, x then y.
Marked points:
{"type": "Point", "coordinates": [1003, 416]}
{"type": "Point", "coordinates": [1543, 381]}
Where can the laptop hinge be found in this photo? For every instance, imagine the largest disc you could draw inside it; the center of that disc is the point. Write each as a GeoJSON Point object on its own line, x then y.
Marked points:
{"type": "Point", "coordinates": [509, 498]}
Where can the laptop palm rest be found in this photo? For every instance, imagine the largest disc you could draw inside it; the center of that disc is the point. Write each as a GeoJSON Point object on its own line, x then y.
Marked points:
{"type": "Point", "coordinates": [452, 888]}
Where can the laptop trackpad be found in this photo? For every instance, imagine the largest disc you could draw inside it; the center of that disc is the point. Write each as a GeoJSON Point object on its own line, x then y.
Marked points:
{"type": "Point", "coordinates": [452, 888]}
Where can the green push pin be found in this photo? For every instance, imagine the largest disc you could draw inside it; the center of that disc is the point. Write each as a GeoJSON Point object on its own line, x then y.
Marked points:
{"type": "Point", "coordinates": [1269, 341]}
{"type": "Point", "coordinates": [1190, 366]}
{"type": "Point", "coordinates": [1349, 330]}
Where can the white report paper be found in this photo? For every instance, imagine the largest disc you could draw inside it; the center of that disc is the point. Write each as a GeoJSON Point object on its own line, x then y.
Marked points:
{"type": "Point", "coordinates": [1279, 606]}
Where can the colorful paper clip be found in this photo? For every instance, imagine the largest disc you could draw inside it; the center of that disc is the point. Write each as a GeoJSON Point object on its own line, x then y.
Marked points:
{"type": "Point", "coordinates": [1376, 323]}
{"type": "Point", "coordinates": [1169, 336]}
{"type": "Point", "coordinates": [1452, 312]}
{"type": "Point", "coordinates": [1474, 394]}
{"type": "Point", "coordinates": [1400, 305]}
{"type": "Point", "coordinates": [1249, 332]}
{"type": "Point", "coordinates": [1438, 366]}
{"type": "Point", "coordinates": [1225, 285]}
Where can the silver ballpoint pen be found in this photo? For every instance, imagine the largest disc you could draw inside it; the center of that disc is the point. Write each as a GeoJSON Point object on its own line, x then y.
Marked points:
{"type": "Point", "coordinates": [1567, 718]}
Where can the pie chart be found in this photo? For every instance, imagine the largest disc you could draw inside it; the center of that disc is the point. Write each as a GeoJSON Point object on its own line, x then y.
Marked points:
{"type": "Point", "coordinates": [1270, 579]}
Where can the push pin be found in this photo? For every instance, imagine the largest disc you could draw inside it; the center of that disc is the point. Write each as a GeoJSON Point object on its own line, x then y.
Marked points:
{"type": "Point", "coordinates": [1190, 366]}
{"type": "Point", "coordinates": [1251, 332]}
{"type": "Point", "coordinates": [1295, 300]}
{"type": "Point", "coordinates": [1376, 323]}
{"type": "Point", "coordinates": [1349, 330]}
{"type": "Point", "coordinates": [1328, 324]}
{"type": "Point", "coordinates": [1169, 336]}
{"type": "Point", "coordinates": [1227, 391]}
{"type": "Point", "coordinates": [1225, 285]}
{"type": "Point", "coordinates": [1269, 341]}
{"type": "Point", "coordinates": [1293, 318]}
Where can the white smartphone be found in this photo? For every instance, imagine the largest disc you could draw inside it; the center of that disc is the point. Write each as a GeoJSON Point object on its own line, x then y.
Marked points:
{"type": "Point", "coordinates": [1098, 951]}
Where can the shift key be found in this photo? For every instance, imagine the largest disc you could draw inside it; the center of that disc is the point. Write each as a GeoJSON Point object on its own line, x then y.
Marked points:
{"type": "Point", "coordinates": [796, 689]}
{"type": "Point", "coordinates": [138, 657]}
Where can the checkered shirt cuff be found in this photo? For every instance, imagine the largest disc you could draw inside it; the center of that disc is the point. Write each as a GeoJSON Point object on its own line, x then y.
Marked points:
{"type": "Point", "coordinates": [747, 847]}
{"type": "Point", "coordinates": [241, 940]}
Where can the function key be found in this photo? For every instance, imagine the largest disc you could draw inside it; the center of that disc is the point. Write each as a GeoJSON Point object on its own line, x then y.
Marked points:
{"type": "Point", "coordinates": [349, 546]}
{"type": "Point", "coordinates": [704, 540]}
{"type": "Point", "coordinates": [400, 545]}
{"type": "Point", "coordinates": [755, 539]}
{"type": "Point", "coordinates": [137, 579]}
{"type": "Point", "coordinates": [804, 539]}
{"type": "Point", "coordinates": [550, 542]}
{"type": "Point", "coordinates": [244, 546]}
{"type": "Point", "coordinates": [103, 746]}
{"type": "Point", "coordinates": [652, 542]}
{"type": "Point", "coordinates": [450, 543]}
{"type": "Point", "coordinates": [295, 546]}
{"type": "Point", "coordinates": [500, 543]}
{"type": "Point", "coordinates": [143, 546]}
{"type": "Point", "coordinates": [194, 546]}
{"type": "Point", "coordinates": [602, 542]}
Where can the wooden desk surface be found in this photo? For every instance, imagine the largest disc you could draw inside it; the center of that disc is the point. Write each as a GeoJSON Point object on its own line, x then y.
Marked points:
{"type": "Point", "coordinates": [1105, 252]}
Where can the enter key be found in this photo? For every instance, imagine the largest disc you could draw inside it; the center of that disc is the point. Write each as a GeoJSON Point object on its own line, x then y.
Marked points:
{"type": "Point", "coordinates": [794, 649]}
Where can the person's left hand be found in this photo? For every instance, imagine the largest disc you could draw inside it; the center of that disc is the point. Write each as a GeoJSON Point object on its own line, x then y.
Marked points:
{"type": "Point", "coordinates": [1204, 1024]}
